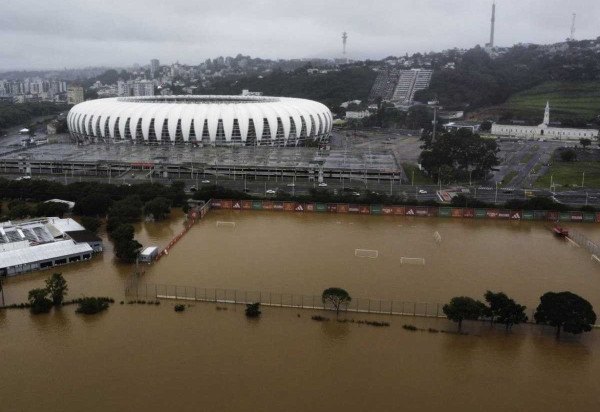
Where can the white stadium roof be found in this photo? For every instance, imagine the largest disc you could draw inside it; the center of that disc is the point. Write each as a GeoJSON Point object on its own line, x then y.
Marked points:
{"type": "Point", "coordinates": [204, 119]}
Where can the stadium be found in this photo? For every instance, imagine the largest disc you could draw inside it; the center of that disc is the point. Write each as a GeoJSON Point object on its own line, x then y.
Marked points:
{"type": "Point", "coordinates": [201, 120]}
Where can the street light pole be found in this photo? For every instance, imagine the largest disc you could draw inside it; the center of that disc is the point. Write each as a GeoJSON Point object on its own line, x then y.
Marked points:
{"type": "Point", "coordinates": [496, 197]}
{"type": "Point", "coordinates": [582, 178]}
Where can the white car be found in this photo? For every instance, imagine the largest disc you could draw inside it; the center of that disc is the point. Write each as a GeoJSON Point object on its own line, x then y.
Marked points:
{"type": "Point", "coordinates": [355, 194]}
{"type": "Point", "coordinates": [422, 192]}
{"type": "Point", "coordinates": [206, 181]}
{"type": "Point", "coordinates": [270, 192]}
{"type": "Point", "coordinates": [291, 185]}
{"type": "Point", "coordinates": [322, 184]}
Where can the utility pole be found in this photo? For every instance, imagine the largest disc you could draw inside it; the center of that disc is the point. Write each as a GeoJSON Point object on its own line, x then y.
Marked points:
{"type": "Point", "coordinates": [582, 178]}
{"type": "Point", "coordinates": [496, 197]}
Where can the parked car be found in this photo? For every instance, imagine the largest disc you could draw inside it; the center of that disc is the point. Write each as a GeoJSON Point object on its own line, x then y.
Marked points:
{"type": "Point", "coordinates": [270, 192]}
{"type": "Point", "coordinates": [322, 184]}
{"type": "Point", "coordinates": [422, 192]}
{"type": "Point", "coordinates": [206, 181]}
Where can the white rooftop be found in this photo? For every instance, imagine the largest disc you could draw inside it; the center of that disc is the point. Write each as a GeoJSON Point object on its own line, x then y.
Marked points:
{"type": "Point", "coordinates": [42, 252]}
{"type": "Point", "coordinates": [63, 225]}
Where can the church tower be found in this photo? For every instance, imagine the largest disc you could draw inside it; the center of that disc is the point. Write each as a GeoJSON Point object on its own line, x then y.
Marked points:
{"type": "Point", "coordinates": [547, 114]}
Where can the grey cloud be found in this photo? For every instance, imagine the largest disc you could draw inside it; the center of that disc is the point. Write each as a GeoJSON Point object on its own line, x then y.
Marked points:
{"type": "Point", "coordinates": [75, 33]}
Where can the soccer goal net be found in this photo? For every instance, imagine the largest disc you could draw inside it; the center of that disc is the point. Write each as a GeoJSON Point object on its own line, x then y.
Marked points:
{"type": "Point", "coordinates": [225, 224]}
{"type": "Point", "coordinates": [412, 261]}
{"type": "Point", "coordinates": [366, 253]}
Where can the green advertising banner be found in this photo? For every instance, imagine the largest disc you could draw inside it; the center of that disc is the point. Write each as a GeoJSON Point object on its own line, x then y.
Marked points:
{"type": "Point", "coordinates": [444, 212]}
{"type": "Point", "coordinates": [257, 204]}
{"type": "Point", "coordinates": [565, 216]}
{"type": "Point", "coordinates": [375, 209]}
{"type": "Point", "coordinates": [480, 213]}
{"type": "Point", "coordinates": [321, 207]}
{"type": "Point", "coordinates": [528, 215]}
{"type": "Point", "coordinates": [589, 217]}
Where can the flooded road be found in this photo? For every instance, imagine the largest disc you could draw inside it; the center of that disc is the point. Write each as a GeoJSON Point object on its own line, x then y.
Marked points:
{"type": "Point", "coordinates": [149, 358]}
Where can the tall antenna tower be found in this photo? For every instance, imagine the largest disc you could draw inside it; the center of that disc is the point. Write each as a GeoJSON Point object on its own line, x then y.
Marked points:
{"type": "Point", "coordinates": [493, 26]}
{"type": "Point", "coordinates": [573, 28]}
{"type": "Point", "coordinates": [344, 40]}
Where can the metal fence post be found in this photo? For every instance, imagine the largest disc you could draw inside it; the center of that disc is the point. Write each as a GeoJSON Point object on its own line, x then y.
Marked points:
{"type": "Point", "coordinates": [195, 293]}
{"type": "Point", "coordinates": [369, 310]}
{"type": "Point", "coordinates": [391, 307]}
{"type": "Point", "coordinates": [235, 296]}
{"type": "Point", "coordinates": [415, 309]}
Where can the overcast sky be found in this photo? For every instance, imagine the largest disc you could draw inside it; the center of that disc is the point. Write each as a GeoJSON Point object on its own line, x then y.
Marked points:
{"type": "Point", "coordinates": [38, 34]}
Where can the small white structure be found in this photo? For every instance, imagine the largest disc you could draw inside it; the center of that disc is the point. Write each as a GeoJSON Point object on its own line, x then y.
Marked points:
{"type": "Point", "coordinates": [357, 115]}
{"type": "Point", "coordinates": [65, 202]}
{"type": "Point", "coordinates": [148, 254]}
{"type": "Point", "coordinates": [543, 131]}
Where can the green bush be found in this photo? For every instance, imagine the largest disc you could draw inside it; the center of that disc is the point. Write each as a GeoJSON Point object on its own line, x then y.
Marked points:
{"type": "Point", "coordinates": [91, 306]}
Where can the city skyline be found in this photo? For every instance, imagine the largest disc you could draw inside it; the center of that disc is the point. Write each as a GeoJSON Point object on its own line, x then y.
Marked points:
{"type": "Point", "coordinates": [94, 34]}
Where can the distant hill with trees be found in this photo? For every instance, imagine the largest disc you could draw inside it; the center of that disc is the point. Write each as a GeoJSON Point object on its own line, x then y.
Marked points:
{"type": "Point", "coordinates": [479, 80]}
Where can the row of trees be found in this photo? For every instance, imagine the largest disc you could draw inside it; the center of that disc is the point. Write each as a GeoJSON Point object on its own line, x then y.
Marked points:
{"type": "Point", "coordinates": [564, 311]}
{"type": "Point", "coordinates": [43, 299]}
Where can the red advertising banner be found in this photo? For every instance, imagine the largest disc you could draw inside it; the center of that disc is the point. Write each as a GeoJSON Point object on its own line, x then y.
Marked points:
{"type": "Point", "coordinates": [289, 206]}
{"type": "Point", "coordinates": [247, 204]}
{"type": "Point", "coordinates": [267, 205]}
{"type": "Point", "coordinates": [387, 210]}
{"type": "Point", "coordinates": [331, 207]}
{"type": "Point", "coordinates": [399, 210]}
{"type": "Point", "coordinates": [226, 204]}
{"type": "Point", "coordinates": [278, 206]}
{"type": "Point", "coordinates": [576, 217]}
{"type": "Point", "coordinates": [365, 210]}
{"type": "Point", "coordinates": [469, 213]}
{"type": "Point", "coordinates": [457, 212]}
{"type": "Point", "coordinates": [353, 209]}
{"type": "Point", "coordinates": [309, 207]}
{"type": "Point", "coordinates": [342, 208]}
{"type": "Point", "coordinates": [491, 213]}
{"type": "Point", "coordinates": [598, 217]}
{"type": "Point", "coordinates": [553, 215]}
{"type": "Point", "coordinates": [216, 204]}
{"type": "Point", "coordinates": [516, 215]}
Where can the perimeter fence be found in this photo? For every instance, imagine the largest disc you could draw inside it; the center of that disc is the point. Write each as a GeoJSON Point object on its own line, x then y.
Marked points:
{"type": "Point", "coordinates": [135, 290]}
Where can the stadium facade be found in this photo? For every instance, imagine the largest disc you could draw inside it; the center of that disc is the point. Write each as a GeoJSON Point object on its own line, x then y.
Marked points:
{"type": "Point", "coordinates": [202, 120]}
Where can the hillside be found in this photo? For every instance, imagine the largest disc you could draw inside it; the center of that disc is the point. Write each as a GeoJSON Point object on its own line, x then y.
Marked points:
{"type": "Point", "coordinates": [570, 100]}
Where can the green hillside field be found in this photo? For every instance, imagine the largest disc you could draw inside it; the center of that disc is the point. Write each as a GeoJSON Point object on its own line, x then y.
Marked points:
{"type": "Point", "coordinates": [568, 100]}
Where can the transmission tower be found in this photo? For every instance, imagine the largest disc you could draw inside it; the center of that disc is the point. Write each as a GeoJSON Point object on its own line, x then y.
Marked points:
{"type": "Point", "coordinates": [573, 28]}
{"type": "Point", "coordinates": [344, 39]}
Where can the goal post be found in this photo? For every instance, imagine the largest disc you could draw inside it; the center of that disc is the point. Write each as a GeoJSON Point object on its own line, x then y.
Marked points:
{"type": "Point", "coordinates": [366, 253]}
{"type": "Point", "coordinates": [412, 261]}
{"type": "Point", "coordinates": [221, 223]}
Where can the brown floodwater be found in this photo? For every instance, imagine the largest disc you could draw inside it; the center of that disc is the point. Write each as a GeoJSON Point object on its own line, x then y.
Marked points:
{"type": "Point", "coordinates": [150, 358]}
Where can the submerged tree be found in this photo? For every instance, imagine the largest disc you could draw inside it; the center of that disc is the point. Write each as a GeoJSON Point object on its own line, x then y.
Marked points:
{"type": "Point", "coordinates": [38, 299]}
{"type": "Point", "coordinates": [253, 310]}
{"type": "Point", "coordinates": [56, 285]}
{"type": "Point", "coordinates": [336, 297]}
{"type": "Point", "coordinates": [565, 311]}
{"type": "Point", "coordinates": [463, 308]}
{"type": "Point", "coordinates": [504, 310]}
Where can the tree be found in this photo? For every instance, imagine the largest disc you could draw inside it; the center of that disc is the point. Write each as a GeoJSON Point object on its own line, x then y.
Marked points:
{"type": "Point", "coordinates": [458, 155]}
{"type": "Point", "coordinates": [512, 314]}
{"type": "Point", "coordinates": [565, 311]}
{"type": "Point", "coordinates": [56, 285]}
{"type": "Point", "coordinates": [91, 306]}
{"type": "Point", "coordinates": [496, 303]}
{"type": "Point", "coordinates": [568, 155]}
{"type": "Point", "coordinates": [585, 142]}
{"type": "Point", "coordinates": [336, 297]}
{"type": "Point", "coordinates": [51, 209]}
{"type": "Point", "coordinates": [38, 299]}
{"type": "Point", "coordinates": [91, 223]}
{"type": "Point", "coordinates": [253, 310]}
{"type": "Point", "coordinates": [126, 247]}
{"type": "Point", "coordinates": [463, 308]}
{"type": "Point", "coordinates": [159, 208]}
{"type": "Point", "coordinates": [93, 204]}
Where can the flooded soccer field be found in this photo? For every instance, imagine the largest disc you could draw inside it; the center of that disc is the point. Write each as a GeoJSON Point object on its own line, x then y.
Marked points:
{"type": "Point", "coordinates": [142, 357]}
